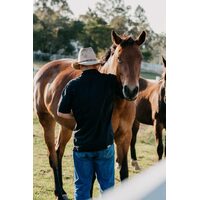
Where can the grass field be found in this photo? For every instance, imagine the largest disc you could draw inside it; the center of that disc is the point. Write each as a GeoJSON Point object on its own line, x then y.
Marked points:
{"type": "Point", "coordinates": [43, 183]}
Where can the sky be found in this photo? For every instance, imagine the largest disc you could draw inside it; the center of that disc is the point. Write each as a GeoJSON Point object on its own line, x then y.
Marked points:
{"type": "Point", "coordinates": [155, 10]}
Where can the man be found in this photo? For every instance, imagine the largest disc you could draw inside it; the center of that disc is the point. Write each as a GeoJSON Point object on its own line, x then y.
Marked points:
{"type": "Point", "coordinates": [89, 99]}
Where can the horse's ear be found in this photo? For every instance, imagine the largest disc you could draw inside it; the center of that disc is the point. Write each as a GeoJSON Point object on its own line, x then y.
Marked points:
{"type": "Point", "coordinates": [141, 38]}
{"type": "Point", "coordinates": [164, 61]}
{"type": "Point", "coordinates": [116, 39]}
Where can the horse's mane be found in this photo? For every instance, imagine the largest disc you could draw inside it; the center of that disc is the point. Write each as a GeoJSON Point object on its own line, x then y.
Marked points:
{"type": "Point", "coordinates": [126, 41]}
{"type": "Point", "coordinates": [108, 53]}
{"type": "Point", "coordinates": [163, 76]}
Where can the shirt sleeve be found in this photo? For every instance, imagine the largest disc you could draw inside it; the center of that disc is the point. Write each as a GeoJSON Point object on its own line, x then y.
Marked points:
{"type": "Point", "coordinates": [65, 103]}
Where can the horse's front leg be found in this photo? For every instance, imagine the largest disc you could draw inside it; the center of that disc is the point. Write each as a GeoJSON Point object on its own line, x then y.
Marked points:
{"type": "Point", "coordinates": [123, 140]}
{"type": "Point", "coordinates": [158, 127]}
{"type": "Point", "coordinates": [63, 138]}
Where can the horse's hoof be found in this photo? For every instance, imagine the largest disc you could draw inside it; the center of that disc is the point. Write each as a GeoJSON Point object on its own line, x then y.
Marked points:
{"type": "Point", "coordinates": [135, 164]}
{"type": "Point", "coordinates": [64, 197]}
{"type": "Point", "coordinates": [118, 166]}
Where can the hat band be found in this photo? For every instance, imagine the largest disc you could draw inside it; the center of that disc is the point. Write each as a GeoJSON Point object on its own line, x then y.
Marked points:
{"type": "Point", "coordinates": [87, 60]}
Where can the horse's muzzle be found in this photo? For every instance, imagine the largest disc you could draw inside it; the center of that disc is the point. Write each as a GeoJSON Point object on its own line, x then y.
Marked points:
{"type": "Point", "coordinates": [130, 94]}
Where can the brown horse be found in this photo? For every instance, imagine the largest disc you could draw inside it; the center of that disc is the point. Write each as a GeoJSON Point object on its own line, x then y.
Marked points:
{"type": "Point", "coordinates": [150, 110]}
{"type": "Point", "coordinates": [125, 63]}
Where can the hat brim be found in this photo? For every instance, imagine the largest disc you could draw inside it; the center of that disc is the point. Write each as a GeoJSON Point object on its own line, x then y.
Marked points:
{"type": "Point", "coordinates": [76, 65]}
{"type": "Point", "coordinates": [89, 63]}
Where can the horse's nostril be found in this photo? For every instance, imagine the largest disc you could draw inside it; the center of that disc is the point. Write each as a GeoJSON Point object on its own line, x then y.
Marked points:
{"type": "Point", "coordinates": [135, 91]}
{"type": "Point", "coordinates": [126, 89]}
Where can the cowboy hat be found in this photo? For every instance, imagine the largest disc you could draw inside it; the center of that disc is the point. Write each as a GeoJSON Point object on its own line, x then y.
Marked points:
{"type": "Point", "coordinates": [87, 57]}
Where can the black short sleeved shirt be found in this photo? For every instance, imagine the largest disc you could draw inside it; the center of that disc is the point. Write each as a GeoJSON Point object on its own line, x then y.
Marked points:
{"type": "Point", "coordinates": [91, 99]}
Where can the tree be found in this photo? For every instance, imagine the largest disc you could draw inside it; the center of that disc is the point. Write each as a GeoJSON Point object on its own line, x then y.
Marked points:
{"type": "Point", "coordinates": [115, 13]}
{"type": "Point", "coordinates": [96, 32]}
{"type": "Point", "coordinates": [54, 29]}
{"type": "Point", "coordinates": [60, 6]}
{"type": "Point", "coordinates": [140, 15]}
{"type": "Point", "coordinates": [119, 24]}
{"type": "Point", "coordinates": [51, 26]}
{"type": "Point", "coordinates": [108, 9]}
{"type": "Point", "coordinates": [154, 44]}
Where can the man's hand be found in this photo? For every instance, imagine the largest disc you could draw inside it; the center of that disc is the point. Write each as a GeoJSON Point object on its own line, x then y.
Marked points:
{"type": "Point", "coordinates": [66, 115]}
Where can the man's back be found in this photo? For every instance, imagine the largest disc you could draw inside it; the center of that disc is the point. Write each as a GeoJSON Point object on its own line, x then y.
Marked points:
{"type": "Point", "coordinates": [91, 100]}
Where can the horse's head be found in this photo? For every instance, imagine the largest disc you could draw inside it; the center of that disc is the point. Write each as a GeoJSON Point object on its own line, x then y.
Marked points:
{"type": "Point", "coordinates": [126, 62]}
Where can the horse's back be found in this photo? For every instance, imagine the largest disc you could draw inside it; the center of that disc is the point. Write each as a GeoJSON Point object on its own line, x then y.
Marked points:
{"type": "Point", "coordinates": [146, 103]}
{"type": "Point", "coordinates": [50, 70]}
{"type": "Point", "coordinates": [49, 82]}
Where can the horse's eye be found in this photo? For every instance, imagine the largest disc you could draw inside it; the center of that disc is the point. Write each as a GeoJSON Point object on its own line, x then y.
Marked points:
{"type": "Point", "coordinates": [119, 61]}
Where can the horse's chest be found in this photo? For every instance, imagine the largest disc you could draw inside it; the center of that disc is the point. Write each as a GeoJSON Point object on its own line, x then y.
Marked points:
{"type": "Point", "coordinates": [123, 115]}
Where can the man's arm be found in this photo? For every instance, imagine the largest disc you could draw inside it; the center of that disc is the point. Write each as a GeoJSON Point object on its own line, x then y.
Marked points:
{"type": "Point", "coordinates": [64, 105]}
{"type": "Point", "coordinates": [66, 115]}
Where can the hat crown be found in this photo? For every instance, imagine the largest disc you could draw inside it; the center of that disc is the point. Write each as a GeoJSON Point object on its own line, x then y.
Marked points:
{"type": "Point", "coordinates": [86, 54]}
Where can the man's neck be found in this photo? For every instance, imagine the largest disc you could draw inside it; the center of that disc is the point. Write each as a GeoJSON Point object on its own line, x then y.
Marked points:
{"type": "Point", "coordinates": [83, 68]}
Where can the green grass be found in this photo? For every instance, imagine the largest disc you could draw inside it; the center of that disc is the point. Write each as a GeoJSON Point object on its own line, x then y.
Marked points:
{"type": "Point", "coordinates": [43, 182]}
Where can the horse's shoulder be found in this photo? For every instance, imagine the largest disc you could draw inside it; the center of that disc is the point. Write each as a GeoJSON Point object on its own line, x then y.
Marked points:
{"type": "Point", "coordinates": [148, 90]}
{"type": "Point", "coordinates": [142, 84]}
{"type": "Point", "coordinates": [146, 84]}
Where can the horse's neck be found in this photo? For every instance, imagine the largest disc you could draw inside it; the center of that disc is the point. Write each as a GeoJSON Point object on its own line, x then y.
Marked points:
{"type": "Point", "coordinates": [108, 68]}
{"type": "Point", "coordinates": [157, 94]}
{"type": "Point", "coordinates": [160, 85]}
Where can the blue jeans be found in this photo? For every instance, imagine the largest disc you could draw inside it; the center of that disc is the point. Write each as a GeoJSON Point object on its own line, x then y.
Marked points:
{"type": "Point", "coordinates": [86, 164]}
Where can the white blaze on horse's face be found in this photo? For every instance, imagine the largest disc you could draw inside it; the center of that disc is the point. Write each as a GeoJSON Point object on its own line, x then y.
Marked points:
{"type": "Point", "coordinates": [127, 58]}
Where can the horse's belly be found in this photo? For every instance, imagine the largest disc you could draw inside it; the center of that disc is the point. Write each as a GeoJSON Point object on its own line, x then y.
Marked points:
{"type": "Point", "coordinates": [144, 112]}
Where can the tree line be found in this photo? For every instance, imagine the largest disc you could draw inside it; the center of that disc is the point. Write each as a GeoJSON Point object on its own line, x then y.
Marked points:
{"type": "Point", "coordinates": [56, 31]}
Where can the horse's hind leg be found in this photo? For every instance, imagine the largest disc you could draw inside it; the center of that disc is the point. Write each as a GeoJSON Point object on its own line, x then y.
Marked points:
{"type": "Point", "coordinates": [158, 133]}
{"type": "Point", "coordinates": [93, 180]}
{"type": "Point", "coordinates": [48, 124]}
{"type": "Point", "coordinates": [135, 129]}
{"type": "Point", "coordinates": [63, 138]}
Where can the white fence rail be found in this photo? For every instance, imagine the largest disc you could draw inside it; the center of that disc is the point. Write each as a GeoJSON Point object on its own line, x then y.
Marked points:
{"type": "Point", "coordinates": [145, 67]}
{"type": "Point", "coordinates": [148, 185]}
{"type": "Point", "coordinates": [151, 68]}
